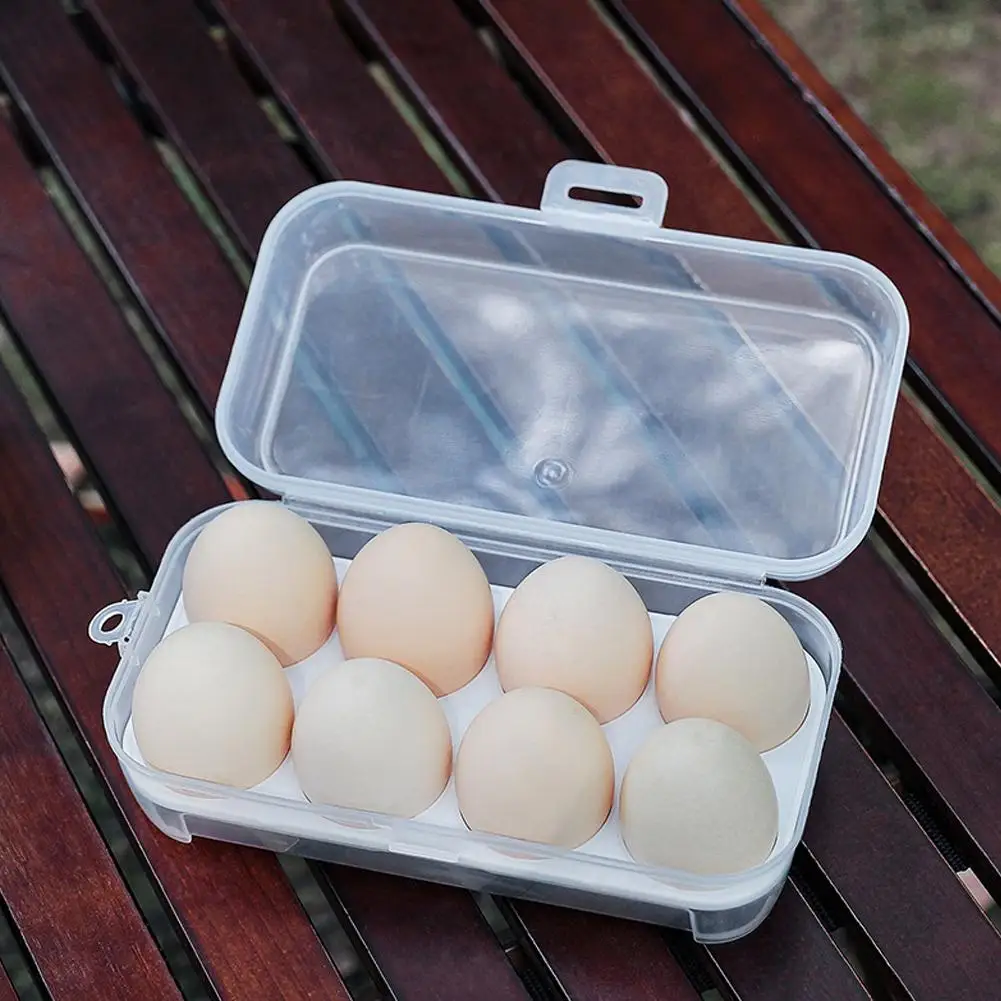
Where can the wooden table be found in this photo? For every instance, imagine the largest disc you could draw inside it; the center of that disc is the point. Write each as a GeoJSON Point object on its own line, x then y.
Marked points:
{"type": "Point", "coordinates": [170, 132]}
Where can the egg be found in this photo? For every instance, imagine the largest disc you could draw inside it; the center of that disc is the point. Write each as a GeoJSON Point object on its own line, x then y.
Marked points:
{"type": "Point", "coordinates": [577, 625]}
{"type": "Point", "coordinates": [731, 657]}
{"type": "Point", "coordinates": [417, 596]}
{"type": "Point", "coordinates": [260, 566]}
{"type": "Point", "coordinates": [697, 797]}
{"type": "Point", "coordinates": [212, 702]}
{"type": "Point", "coordinates": [371, 736]}
{"type": "Point", "coordinates": [535, 764]}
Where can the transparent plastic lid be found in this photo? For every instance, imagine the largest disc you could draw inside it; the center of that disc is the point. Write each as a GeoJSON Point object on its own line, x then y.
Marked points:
{"type": "Point", "coordinates": [573, 377]}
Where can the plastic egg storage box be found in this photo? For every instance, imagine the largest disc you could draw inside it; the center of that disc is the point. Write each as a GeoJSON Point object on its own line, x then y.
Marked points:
{"type": "Point", "coordinates": [700, 413]}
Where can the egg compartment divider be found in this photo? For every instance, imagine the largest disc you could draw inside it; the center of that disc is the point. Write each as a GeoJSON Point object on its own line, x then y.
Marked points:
{"type": "Point", "coordinates": [278, 807]}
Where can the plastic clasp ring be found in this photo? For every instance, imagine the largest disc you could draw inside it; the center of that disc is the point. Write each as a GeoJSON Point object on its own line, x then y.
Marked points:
{"type": "Point", "coordinates": [114, 623]}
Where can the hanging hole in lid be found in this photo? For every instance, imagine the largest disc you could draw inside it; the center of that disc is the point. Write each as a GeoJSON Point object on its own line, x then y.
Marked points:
{"type": "Point", "coordinates": [111, 625]}
{"type": "Point", "coordinates": [584, 194]}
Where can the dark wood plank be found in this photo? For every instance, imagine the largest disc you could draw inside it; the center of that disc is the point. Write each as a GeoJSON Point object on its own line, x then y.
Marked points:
{"type": "Point", "coordinates": [597, 958]}
{"type": "Point", "coordinates": [464, 95]}
{"type": "Point", "coordinates": [159, 42]}
{"type": "Point", "coordinates": [234, 905]}
{"type": "Point", "coordinates": [821, 184]}
{"type": "Point", "coordinates": [213, 146]}
{"type": "Point", "coordinates": [949, 523]}
{"type": "Point", "coordinates": [78, 921]}
{"type": "Point", "coordinates": [171, 262]}
{"type": "Point", "coordinates": [430, 940]}
{"type": "Point", "coordinates": [896, 658]}
{"type": "Point", "coordinates": [207, 110]}
{"type": "Point", "coordinates": [7, 992]}
{"type": "Point", "coordinates": [102, 380]}
{"type": "Point", "coordinates": [883, 859]}
{"type": "Point", "coordinates": [784, 960]}
{"type": "Point", "coordinates": [300, 50]}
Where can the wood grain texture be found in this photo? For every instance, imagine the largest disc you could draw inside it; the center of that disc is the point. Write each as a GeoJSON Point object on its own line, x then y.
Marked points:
{"type": "Point", "coordinates": [102, 380]}
{"type": "Point", "coordinates": [58, 881]}
{"type": "Point", "coordinates": [785, 960]}
{"type": "Point", "coordinates": [234, 905]}
{"type": "Point", "coordinates": [934, 936]}
{"type": "Point", "coordinates": [160, 43]}
{"type": "Point", "coordinates": [822, 185]}
{"type": "Point", "coordinates": [464, 94]}
{"type": "Point", "coordinates": [207, 110]}
{"type": "Point", "coordinates": [170, 260]}
{"type": "Point", "coordinates": [299, 49]}
{"type": "Point", "coordinates": [429, 941]}
{"type": "Point", "coordinates": [949, 523]}
{"type": "Point", "coordinates": [597, 958]}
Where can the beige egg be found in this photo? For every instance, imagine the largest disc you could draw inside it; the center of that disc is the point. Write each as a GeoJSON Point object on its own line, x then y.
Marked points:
{"type": "Point", "coordinates": [212, 702]}
{"type": "Point", "coordinates": [263, 568]}
{"type": "Point", "coordinates": [417, 596]}
{"type": "Point", "coordinates": [369, 735]}
{"type": "Point", "coordinates": [697, 797]}
{"type": "Point", "coordinates": [731, 657]}
{"type": "Point", "coordinates": [577, 625]}
{"type": "Point", "coordinates": [535, 764]}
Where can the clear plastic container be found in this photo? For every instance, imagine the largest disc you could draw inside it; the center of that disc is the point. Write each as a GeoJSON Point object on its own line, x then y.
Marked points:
{"type": "Point", "coordinates": [701, 413]}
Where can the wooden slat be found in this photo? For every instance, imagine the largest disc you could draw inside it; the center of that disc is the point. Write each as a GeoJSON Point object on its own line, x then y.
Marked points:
{"type": "Point", "coordinates": [313, 69]}
{"type": "Point", "coordinates": [212, 147]}
{"type": "Point", "coordinates": [57, 878]}
{"type": "Point", "coordinates": [429, 939]}
{"type": "Point", "coordinates": [820, 182]}
{"type": "Point", "coordinates": [428, 64]}
{"type": "Point", "coordinates": [597, 958]}
{"type": "Point", "coordinates": [884, 859]}
{"type": "Point", "coordinates": [170, 260]}
{"type": "Point", "coordinates": [102, 381]}
{"type": "Point", "coordinates": [784, 960]}
{"type": "Point", "coordinates": [159, 44]}
{"type": "Point", "coordinates": [947, 520]}
{"type": "Point", "coordinates": [943, 721]}
{"type": "Point", "coordinates": [7, 992]}
{"type": "Point", "coordinates": [235, 905]}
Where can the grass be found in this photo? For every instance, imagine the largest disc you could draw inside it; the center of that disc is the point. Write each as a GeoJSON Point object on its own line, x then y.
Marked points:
{"type": "Point", "coordinates": [926, 77]}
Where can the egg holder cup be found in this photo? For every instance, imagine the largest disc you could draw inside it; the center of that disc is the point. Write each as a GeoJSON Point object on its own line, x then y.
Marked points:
{"type": "Point", "coordinates": [700, 413]}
